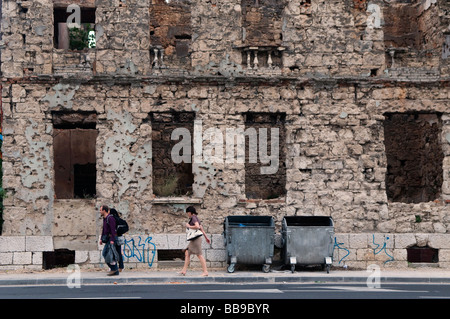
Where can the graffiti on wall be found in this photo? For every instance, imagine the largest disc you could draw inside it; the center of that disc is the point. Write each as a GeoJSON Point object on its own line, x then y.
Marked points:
{"type": "Point", "coordinates": [380, 249]}
{"type": "Point", "coordinates": [140, 248]}
{"type": "Point", "coordinates": [339, 246]}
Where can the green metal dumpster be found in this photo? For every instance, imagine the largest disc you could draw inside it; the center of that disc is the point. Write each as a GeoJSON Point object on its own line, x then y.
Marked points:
{"type": "Point", "coordinates": [308, 240]}
{"type": "Point", "coordinates": [249, 240]}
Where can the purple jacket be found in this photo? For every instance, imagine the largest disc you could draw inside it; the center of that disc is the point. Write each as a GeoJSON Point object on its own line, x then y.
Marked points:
{"type": "Point", "coordinates": [109, 227]}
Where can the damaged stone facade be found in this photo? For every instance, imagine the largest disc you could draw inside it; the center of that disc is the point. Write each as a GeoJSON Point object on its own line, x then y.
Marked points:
{"type": "Point", "coordinates": [332, 74]}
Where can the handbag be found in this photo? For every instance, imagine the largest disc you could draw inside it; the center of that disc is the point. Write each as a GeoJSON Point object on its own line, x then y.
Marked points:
{"type": "Point", "coordinates": [192, 234]}
{"type": "Point", "coordinates": [105, 239]}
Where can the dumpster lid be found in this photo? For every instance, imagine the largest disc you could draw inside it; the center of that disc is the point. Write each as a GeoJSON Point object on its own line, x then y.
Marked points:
{"type": "Point", "coordinates": [244, 221]}
{"type": "Point", "coordinates": [308, 221]}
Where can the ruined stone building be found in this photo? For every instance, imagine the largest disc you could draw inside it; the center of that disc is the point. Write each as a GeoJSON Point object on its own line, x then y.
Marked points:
{"type": "Point", "coordinates": [356, 90]}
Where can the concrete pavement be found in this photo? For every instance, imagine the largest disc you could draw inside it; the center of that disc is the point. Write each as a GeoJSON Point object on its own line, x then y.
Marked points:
{"type": "Point", "coordinates": [153, 276]}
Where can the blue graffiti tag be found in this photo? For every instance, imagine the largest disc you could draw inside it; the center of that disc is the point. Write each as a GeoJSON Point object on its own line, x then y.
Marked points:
{"type": "Point", "coordinates": [383, 248]}
{"type": "Point", "coordinates": [340, 247]}
{"type": "Point", "coordinates": [141, 251]}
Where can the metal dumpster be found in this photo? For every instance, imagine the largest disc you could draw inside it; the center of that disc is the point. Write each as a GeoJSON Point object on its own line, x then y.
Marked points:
{"type": "Point", "coordinates": [249, 240]}
{"type": "Point", "coordinates": [308, 240]}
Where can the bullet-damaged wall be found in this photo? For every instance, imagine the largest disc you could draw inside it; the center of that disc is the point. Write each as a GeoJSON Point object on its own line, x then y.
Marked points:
{"type": "Point", "coordinates": [324, 73]}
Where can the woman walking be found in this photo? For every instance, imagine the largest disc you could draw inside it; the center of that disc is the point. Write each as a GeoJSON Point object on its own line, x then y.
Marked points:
{"type": "Point", "coordinates": [195, 245]}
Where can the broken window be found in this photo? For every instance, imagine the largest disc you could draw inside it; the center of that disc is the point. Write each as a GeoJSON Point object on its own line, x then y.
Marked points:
{"type": "Point", "coordinates": [401, 29]}
{"type": "Point", "coordinates": [170, 33]}
{"type": "Point", "coordinates": [265, 170]}
{"type": "Point", "coordinates": [262, 33]}
{"type": "Point", "coordinates": [74, 26]}
{"type": "Point", "coordinates": [414, 157]}
{"type": "Point", "coordinates": [74, 140]}
{"type": "Point", "coordinates": [409, 31]}
{"type": "Point", "coordinates": [172, 177]}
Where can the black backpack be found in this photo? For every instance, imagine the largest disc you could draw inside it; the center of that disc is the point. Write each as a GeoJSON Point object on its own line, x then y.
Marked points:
{"type": "Point", "coordinates": [121, 224]}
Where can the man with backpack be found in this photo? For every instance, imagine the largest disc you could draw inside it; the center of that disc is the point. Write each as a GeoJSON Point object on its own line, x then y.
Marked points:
{"type": "Point", "coordinates": [121, 228]}
{"type": "Point", "coordinates": [109, 238]}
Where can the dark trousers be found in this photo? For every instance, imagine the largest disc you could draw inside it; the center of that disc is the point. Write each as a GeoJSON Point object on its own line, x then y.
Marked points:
{"type": "Point", "coordinates": [119, 251]}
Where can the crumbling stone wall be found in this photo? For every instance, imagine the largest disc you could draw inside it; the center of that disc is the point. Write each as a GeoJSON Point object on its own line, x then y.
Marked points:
{"type": "Point", "coordinates": [332, 82]}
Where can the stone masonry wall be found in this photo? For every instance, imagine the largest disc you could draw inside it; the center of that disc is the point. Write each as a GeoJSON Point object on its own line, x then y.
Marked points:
{"type": "Point", "coordinates": [334, 83]}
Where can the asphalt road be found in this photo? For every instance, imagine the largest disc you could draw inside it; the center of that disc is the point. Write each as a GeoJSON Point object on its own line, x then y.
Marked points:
{"type": "Point", "coordinates": [228, 300]}
{"type": "Point", "coordinates": [231, 291]}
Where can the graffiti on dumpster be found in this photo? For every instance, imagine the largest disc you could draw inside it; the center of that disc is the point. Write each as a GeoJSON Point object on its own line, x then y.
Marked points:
{"type": "Point", "coordinates": [143, 250]}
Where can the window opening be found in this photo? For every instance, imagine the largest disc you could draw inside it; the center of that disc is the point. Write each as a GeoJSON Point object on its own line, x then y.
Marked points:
{"type": "Point", "coordinates": [414, 157]}
{"type": "Point", "coordinates": [422, 255]}
{"type": "Point", "coordinates": [58, 259]}
{"type": "Point", "coordinates": [74, 141]}
{"type": "Point", "coordinates": [171, 178]}
{"type": "Point", "coordinates": [66, 36]}
{"type": "Point", "coordinates": [265, 170]}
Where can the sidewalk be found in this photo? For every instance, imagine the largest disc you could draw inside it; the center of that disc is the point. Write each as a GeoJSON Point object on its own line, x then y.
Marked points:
{"type": "Point", "coordinates": [60, 277]}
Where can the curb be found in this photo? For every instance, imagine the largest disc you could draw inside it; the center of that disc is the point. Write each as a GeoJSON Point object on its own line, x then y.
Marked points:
{"type": "Point", "coordinates": [216, 280]}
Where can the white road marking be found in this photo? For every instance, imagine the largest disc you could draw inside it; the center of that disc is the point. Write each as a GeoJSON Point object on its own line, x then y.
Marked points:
{"type": "Point", "coordinates": [264, 291]}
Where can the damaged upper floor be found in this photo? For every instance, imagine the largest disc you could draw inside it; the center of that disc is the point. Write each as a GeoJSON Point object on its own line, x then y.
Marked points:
{"type": "Point", "coordinates": [356, 38]}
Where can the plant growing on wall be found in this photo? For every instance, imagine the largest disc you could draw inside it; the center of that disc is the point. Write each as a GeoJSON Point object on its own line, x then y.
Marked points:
{"type": "Point", "coordinates": [81, 38]}
{"type": "Point", "coordinates": [168, 188]}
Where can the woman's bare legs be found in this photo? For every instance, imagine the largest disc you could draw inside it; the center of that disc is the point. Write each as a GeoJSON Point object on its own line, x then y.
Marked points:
{"type": "Point", "coordinates": [203, 263]}
{"type": "Point", "coordinates": [187, 260]}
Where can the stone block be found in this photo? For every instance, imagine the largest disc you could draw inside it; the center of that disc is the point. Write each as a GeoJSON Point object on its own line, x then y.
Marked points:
{"type": "Point", "coordinates": [404, 241]}
{"type": "Point", "coordinates": [81, 257]}
{"type": "Point", "coordinates": [160, 241]}
{"type": "Point", "coordinates": [358, 241]}
{"type": "Point", "coordinates": [6, 258]}
{"type": "Point", "coordinates": [22, 258]}
{"type": "Point", "coordinates": [37, 258]}
{"type": "Point", "coordinates": [439, 241]}
{"type": "Point", "coordinates": [216, 255]}
{"type": "Point", "coordinates": [217, 241]}
{"type": "Point", "coordinates": [38, 243]}
{"type": "Point", "coordinates": [12, 243]}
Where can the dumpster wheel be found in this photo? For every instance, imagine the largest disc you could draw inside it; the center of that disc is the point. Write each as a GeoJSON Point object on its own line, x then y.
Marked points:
{"type": "Point", "coordinates": [231, 268]}
{"type": "Point", "coordinates": [266, 268]}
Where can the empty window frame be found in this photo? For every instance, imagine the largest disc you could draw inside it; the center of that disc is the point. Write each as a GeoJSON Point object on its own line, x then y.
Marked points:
{"type": "Point", "coordinates": [414, 157]}
{"type": "Point", "coordinates": [74, 154]}
{"type": "Point", "coordinates": [171, 177]}
{"type": "Point", "coordinates": [262, 22]}
{"type": "Point", "coordinates": [74, 38]}
{"type": "Point", "coordinates": [170, 33]}
{"type": "Point", "coordinates": [265, 169]}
